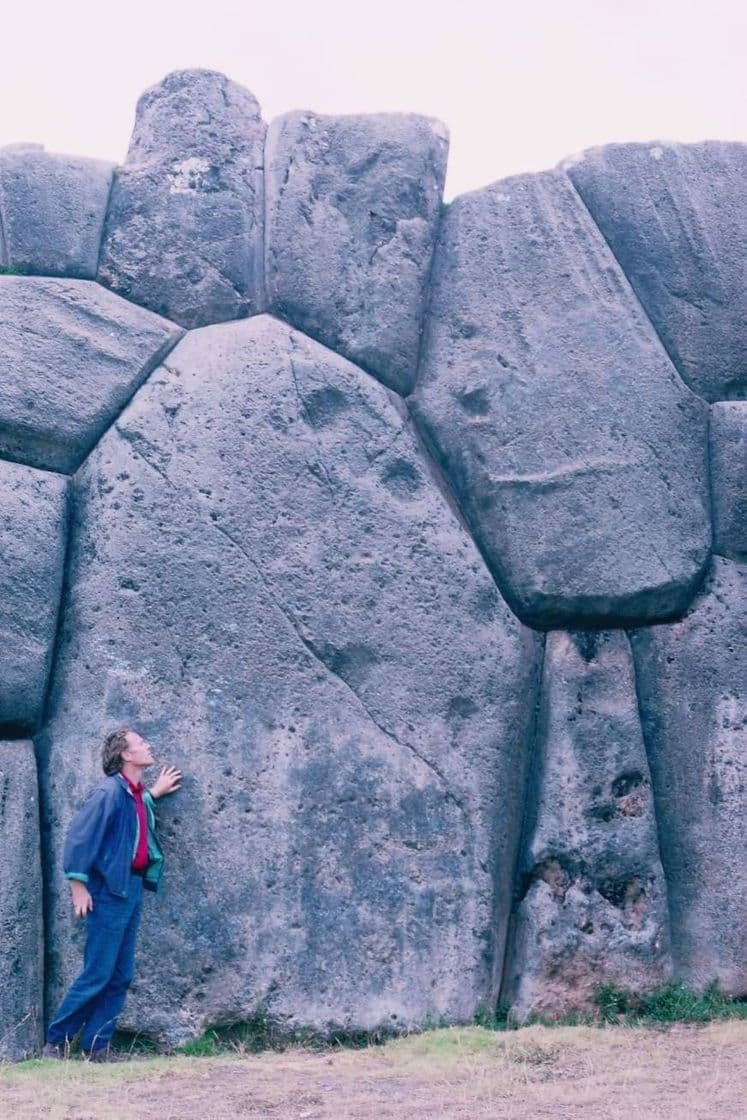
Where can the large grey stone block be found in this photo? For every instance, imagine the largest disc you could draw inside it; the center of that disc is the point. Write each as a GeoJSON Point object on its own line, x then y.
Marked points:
{"type": "Point", "coordinates": [267, 581]}
{"type": "Point", "coordinates": [184, 233]}
{"type": "Point", "coordinates": [71, 355]}
{"type": "Point", "coordinates": [33, 529]}
{"type": "Point", "coordinates": [728, 440]}
{"type": "Point", "coordinates": [577, 453]}
{"type": "Point", "coordinates": [52, 210]}
{"type": "Point", "coordinates": [675, 216]}
{"type": "Point", "coordinates": [352, 208]}
{"type": "Point", "coordinates": [593, 902]}
{"type": "Point", "coordinates": [21, 915]}
{"type": "Point", "coordinates": [692, 683]}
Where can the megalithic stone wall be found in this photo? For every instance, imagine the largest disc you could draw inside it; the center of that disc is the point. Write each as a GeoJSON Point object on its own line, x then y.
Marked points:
{"type": "Point", "coordinates": [413, 533]}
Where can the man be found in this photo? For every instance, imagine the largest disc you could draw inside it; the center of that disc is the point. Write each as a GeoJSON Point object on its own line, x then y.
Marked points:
{"type": "Point", "coordinates": [111, 855]}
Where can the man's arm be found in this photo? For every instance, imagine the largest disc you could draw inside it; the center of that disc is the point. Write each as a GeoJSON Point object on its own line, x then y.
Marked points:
{"type": "Point", "coordinates": [82, 843]}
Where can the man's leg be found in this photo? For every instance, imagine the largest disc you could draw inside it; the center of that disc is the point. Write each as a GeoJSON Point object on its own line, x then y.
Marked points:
{"type": "Point", "coordinates": [105, 1010]}
{"type": "Point", "coordinates": [105, 930]}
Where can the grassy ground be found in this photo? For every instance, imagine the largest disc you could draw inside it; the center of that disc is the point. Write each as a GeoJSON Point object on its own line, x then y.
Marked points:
{"type": "Point", "coordinates": [697, 1071]}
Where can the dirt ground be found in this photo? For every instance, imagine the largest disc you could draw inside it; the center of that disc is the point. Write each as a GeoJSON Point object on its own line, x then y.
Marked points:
{"type": "Point", "coordinates": [567, 1073]}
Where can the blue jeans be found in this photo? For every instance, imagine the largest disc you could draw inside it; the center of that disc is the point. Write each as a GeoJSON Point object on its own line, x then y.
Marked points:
{"type": "Point", "coordinates": [96, 997]}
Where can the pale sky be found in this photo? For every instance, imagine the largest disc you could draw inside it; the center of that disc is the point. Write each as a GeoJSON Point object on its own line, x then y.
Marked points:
{"type": "Point", "coordinates": [520, 85]}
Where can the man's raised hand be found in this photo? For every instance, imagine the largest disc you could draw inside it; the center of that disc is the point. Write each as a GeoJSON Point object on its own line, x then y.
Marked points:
{"type": "Point", "coordinates": [166, 782]}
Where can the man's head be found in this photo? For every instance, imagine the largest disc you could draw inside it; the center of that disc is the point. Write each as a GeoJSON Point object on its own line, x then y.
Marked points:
{"type": "Point", "coordinates": [125, 745]}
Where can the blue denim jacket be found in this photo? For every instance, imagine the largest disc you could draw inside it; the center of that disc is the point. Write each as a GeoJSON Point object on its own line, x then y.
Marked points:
{"type": "Point", "coordinates": [102, 838]}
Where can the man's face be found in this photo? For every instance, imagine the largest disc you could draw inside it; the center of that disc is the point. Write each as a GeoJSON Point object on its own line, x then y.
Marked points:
{"type": "Point", "coordinates": [138, 751]}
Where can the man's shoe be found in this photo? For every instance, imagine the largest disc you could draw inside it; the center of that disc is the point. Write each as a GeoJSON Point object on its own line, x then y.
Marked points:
{"type": "Point", "coordinates": [104, 1054]}
{"type": "Point", "coordinates": [55, 1050]}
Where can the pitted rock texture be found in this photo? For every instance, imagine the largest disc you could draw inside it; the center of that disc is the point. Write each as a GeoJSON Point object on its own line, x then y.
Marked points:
{"type": "Point", "coordinates": [267, 580]}
{"type": "Point", "coordinates": [675, 216]}
{"type": "Point", "coordinates": [71, 356]}
{"type": "Point", "coordinates": [352, 210]}
{"type": "Point", "coordinates": [728, 438]}
{"type": "Point", "coordinates": [184, 231]}
{"type": "Point", "coordinates": [33, 530]}
{"type": "Point", "coordinates": [52, 210]}
{"type": "Point", "coordinates": [578, 454]}
{"type": "Point", "coordinates": [692, 684]}
{"type": "Point", "coordinates": [593, 903]}
{"type": "Point", "coordinates": [21, 928]}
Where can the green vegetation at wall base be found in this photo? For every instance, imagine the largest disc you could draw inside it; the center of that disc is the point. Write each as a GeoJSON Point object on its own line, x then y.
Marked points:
{"type": "Point", "coordinates": [667, 1003]}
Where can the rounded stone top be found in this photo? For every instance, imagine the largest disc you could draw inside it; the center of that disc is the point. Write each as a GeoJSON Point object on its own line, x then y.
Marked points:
{"type": "Point", "coordinates": [199, 110]}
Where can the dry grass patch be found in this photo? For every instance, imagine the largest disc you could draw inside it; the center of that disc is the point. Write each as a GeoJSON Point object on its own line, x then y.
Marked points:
{"type": "Point", "coordinates": [457, 1073]}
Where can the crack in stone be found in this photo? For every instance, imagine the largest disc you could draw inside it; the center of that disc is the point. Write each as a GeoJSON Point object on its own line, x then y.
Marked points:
{"type": "Point", "coordinates": [649, 749]}
{"type": "Point", "coordinates": [4, 251]}
{"type": "Point", "coordinates": [104, 230]}
{"type": "Point", "coordinates": [308, 644]}
{"type": "Point", "coordinates": [135, 440]}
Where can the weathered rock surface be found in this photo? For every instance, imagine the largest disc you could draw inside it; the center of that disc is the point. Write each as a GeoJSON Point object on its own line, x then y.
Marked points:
{"type": "Point", "coordinates": [184, 231]}
{"type": "Point", "coordinates": [675, 216]}
{"type": "Point", "coordinates": [266, 580]}
{"type": "Point", "coordinates": [33, 529]}
{"type": "Point", "coordinates": [21, 923]}
{"type": "Point", "coordinates": [71, 355]}
{"type": "Point", "coordinates": [52, 210]}
{"type": "Point", "coordinates": [728, 439]}
{"type": "Point", "coordinates": [352, 211]}
{"type": "Point", "coordinates": [692, 683]}
{"type": "Point", "coordinates": [593, 903]}
{"type": "Point", "coordinates": [578, 454]}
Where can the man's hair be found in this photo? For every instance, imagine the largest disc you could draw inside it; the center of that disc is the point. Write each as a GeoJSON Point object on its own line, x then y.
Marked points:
{"type": "Point", "coordinates": [114, 744]}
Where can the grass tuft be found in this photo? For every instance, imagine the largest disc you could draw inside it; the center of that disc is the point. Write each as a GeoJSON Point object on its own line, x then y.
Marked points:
{"type": "Point", "coordinates": [265, 1032]}
{"type": "Point", "coordinates": [667, 1003]}
{"type": "Point", "coordinates": [672, 1002]}
{"type": "Point", "coordinates": [496, 1020]}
